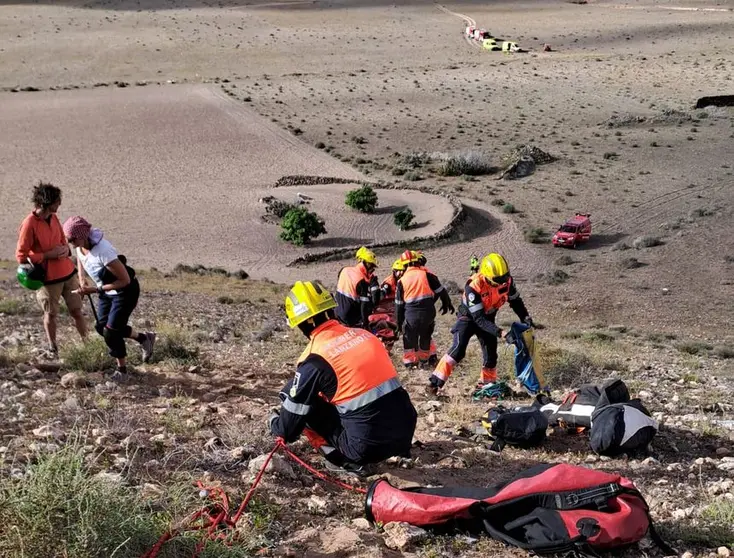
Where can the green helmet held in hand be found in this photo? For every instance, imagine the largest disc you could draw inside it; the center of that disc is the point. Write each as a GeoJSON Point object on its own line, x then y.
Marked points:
{"type": "Point", "coordinates": [26, 275]}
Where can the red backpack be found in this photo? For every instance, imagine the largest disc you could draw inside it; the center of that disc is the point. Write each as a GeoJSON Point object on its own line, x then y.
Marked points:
{"type": "Point", "coordinates": [545, 509]}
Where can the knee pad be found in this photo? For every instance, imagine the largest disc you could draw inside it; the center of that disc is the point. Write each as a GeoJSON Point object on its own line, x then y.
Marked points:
{"type": "Point", "coordinates": [111, 335]}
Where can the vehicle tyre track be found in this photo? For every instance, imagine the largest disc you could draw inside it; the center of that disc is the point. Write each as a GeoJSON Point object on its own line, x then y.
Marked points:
{"type": "Point", "coordinates": [467, 20]}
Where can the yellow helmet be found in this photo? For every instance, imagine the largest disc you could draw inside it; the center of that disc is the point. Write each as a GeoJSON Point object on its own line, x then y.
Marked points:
{"type": "Point", "coordinates": [495, 269]}
{"type": "Point", "coordinates": [399, 265]}
{"type": "Point", "coordinates": [366, 255]}
{"type": "Point", "coordinates": [305, 300]}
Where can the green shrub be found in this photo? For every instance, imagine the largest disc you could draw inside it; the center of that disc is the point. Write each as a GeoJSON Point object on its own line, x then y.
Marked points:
{"type": "Point", "coordinates": [630, 263]}
{"type": "Point", "coordinates": [89, 356]}
{"type": "Point", "coordinates": [722, 351]}
{"type": "Point", "coordinates": [508, 208]}
{"type": "Point", "coordinates": [300, 226]}
{"type": "Point", "coordinates": [61, 508]}
{"type": "Point", "coordinates": [563, 368]}
{"type": "Point", "coordinates": [12, 306]}
{"type": "Point", "coordinates": [564, 260]}
{"type": "Point", "coordinates": [536, 235]}
{"type": "Point", "coordinates": [413, 176]}
{"type": "Point", "coordinates": [403, 219]}
{"type": "Point", "coordinates": [175, 344]}
{"type": "Point", "coordinates": [693, 347]}
{"type": "Point", "coordinates": [362, 199]}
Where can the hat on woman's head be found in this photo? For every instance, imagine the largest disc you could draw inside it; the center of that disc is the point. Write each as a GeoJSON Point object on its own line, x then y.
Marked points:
{"type": "Point", "coordinates": [77, 228]}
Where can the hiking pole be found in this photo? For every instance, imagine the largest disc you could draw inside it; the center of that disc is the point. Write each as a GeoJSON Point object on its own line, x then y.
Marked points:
{"type": "Point", "coordinates": [94, 310]}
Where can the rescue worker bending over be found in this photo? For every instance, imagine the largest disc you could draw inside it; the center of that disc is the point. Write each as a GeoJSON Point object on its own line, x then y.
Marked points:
{"type": "Point", "coordinates": [357, 291]}
{"type": "Point", "coordinates": [345, 397]}
{"type": "Point", "coordinates": [415, 311]}
{"type": "Point", "coordinates": [387, 289]}
{"type": "Point", "coordinates": [484, 294]}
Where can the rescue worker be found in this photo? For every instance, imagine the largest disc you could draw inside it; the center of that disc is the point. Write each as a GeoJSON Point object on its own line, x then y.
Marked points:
{"type": "Point", "coordinates": [345, 397]}
{"type": "Point", "coordinates": [387, 289]}
{"type": "Point", "coordinates": [357, 291]}
{"type": "Point", "coordinates": [415, 311]}
{"type": "Point", "coordinates": [473, 265]}
{"type": "Point", "coordinates": [485, 293]}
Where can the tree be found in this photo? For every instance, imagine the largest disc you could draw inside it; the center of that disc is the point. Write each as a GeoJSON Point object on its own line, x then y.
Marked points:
{"type": "Point", "coordinates": [300, 226]}
{"type": "Point", "coordinates": [403, 219]}
{"type": "Point", "coordinates": [362, 199]}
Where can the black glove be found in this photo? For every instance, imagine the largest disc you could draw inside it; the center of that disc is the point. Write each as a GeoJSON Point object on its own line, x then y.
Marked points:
{"type": "Point", "coordinates": [447, 308]}
{"type": "Point", "coordinates": [529, 321]}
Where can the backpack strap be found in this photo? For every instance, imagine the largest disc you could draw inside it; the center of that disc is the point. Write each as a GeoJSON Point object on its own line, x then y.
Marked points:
{"type": "Point", "coordinates": [654, 535]}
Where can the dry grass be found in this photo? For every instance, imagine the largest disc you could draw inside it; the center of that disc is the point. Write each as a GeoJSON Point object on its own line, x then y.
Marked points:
{"type": "Point", "coordinates": [214, 285]}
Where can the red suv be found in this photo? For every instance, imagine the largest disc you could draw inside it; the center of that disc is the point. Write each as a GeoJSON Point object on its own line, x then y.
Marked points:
{"type": "Point", "coordinates": [574, 231]}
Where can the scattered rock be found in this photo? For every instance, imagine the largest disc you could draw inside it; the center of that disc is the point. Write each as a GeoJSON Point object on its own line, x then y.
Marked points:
{"type": "Point", "coordinates": [362, 524]}
{"type": "Point", "coordinates": [277, 465]}
{"type": "Point", "coordinates": [723, 452]}
{"type": "Point", "coordinates": [319, 505]}
{"type": "Point", "coordinates": [241, 453]}
{"type": "Point", "coordinates": [39, 395]}
{"type": "Point", "coordinates": [115, 478]}
{"type": "Point", "coordinates": [48, 431]}
{"type": "Point", "coordinates": [339, 540]}
{"type": "Point", "coordinates": [687, 554]}
{"type": "Point", "coordinates": [401, 536]}
{"type": "Point", "coordinates": [73, 380]}
{"type": "Point", "coordinates": [723, 551]}
{"type": "Point", "coordinates": [451, 462]}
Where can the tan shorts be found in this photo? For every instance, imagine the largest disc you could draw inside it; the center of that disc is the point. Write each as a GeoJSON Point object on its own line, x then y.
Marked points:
{"type": "Point", "coordinates": [49, 296]}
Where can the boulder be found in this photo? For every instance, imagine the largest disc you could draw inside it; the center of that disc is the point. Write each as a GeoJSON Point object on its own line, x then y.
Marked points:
{"type": "Point", "coordinates": [277, 465]}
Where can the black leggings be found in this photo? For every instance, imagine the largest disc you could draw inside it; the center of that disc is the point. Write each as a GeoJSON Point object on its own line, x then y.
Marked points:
{"type": "Point", "coordinates": [113, 313]}
{"type": "Point", "coordinates": [463, 331]}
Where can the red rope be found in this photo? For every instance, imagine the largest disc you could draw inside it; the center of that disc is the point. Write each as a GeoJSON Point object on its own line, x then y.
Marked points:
{"type": "Point", "coordinates": [216, 516]}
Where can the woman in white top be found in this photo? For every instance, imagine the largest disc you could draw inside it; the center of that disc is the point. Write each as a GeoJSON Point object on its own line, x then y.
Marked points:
{"type": "Point", "coordinates": [116, 285]}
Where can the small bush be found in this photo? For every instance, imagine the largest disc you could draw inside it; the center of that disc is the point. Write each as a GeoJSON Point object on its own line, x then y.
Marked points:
{"type": "Point", "coordinates": [471, 163]}
{"type": "Point", "coordinates": [722, 351]}
{"type": "Point", "coordinates": [175, 344]}
{"type": "Point", "coordinates": [413, 176]}
{"type": "Point", "coordinates": [398, 171]}
{"type": "Point", "coordinates": [362, 199]}
{"type": "Point", "coordinates": [403, 219]}
{"type": "Point", "coordinates": [555, 277]}
{"type": "Point", "coordinates": [508, 208]}
{"type": "Point", "coordinates": [499, 202]}
{"type": "Point", "coordinates": [12, 306]}
{"type": "Point", "coordinates": [630, 263]}
{"type": "Point", "coordinates": [279, 208]}
{"type": "Point", "coordinates": [359, 140]}
{"type": "Point", "coordinates": [536, 235]}
{"type": "Point", "coordinates": [320, 145]}
{"type": "Point", "coordinates": [693, 347]}
{"type": "Point", "coordinates": [599, 337]}
{"type": "Point", "coordinates": [647, 242]}
{"type": "Point", "coordinates": [61, 508]}
{"type": "Point", "coordinates": [621, 246]}
{"type": "Point", "coordinates": [90, 356]}
{"type": "Point", "coordinates": [564, 260]}
{"type": "Point", "coordinates": [564, 368]}
{"type": "Point", "coordinates": [415, 160]}
{"type": "Point", "coordinates": [300, 226]}
{"type": "Point", "coordinates": [453, 288]}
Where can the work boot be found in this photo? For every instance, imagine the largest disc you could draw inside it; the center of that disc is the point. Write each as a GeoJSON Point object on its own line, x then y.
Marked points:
{"type": "Point", "coordinates": [431, 389]}
{"type": "Point", "coordinates": [432, 361]}
{"type": "Point", "coordinates": [349, 468]}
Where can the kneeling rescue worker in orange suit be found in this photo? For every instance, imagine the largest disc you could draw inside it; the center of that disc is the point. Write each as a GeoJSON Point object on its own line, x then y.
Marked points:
{"type": "Point", "coordinates": [484, 294]}
{"type": "Point", "coordinates": [357, 291]}
{"type": "Point", "coordinates": [415, 310]}
{"type": "Point", "coordinates": [345, 397]}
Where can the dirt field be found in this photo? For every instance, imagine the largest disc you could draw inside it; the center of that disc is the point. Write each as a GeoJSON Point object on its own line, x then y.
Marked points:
{"type": "Point", "coordinates": [170, 119]}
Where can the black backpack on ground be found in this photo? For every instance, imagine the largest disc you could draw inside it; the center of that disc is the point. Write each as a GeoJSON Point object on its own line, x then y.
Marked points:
{"type": "Point", "coordinates": [522, 426]}
{"type": "Point", "coordinates": [577, 406]}
{"type": "Point", "coordinates": [618, 428]}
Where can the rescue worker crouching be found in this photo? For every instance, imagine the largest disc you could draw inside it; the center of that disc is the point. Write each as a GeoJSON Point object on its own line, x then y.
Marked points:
{"type": "Point", "coordinates": [345, 397]}
{"type": "Point", "coordinates": [484, 294]}
{"type": "Point", "coordinates": [357, 291]}
{"type": "Point", "coordinates": [415, 311]}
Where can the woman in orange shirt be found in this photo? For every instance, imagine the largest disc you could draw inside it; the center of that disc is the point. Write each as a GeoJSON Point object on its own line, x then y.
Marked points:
{"type": "Point", "coordinates": [41, 241]}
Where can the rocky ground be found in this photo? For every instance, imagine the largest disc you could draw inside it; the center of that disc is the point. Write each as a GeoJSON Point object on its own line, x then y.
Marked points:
{"type": "Point", "coordinates": [199, 410]}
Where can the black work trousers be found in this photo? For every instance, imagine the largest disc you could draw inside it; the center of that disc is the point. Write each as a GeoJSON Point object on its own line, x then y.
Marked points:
{"type": "Point", "coordinates": [113, 313]}
{"type": "Point", "coordinates": [463, 331]}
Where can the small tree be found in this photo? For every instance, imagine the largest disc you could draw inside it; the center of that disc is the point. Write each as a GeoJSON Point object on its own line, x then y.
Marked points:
{"type": "Point", "coordinates": [300, 226]}
{"type": "Point", "coordinates": [403, 219]}
{"type": "Point", "coordinates": [362, 199]}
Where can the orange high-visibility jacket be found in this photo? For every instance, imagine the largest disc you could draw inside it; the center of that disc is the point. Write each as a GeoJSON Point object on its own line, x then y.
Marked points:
{"type": "Point", "coordinates": [350, 369]}
{"type": "Point", "coordinates": [481, 301]}
{"type": "Point", "coordinates": [356, 294]}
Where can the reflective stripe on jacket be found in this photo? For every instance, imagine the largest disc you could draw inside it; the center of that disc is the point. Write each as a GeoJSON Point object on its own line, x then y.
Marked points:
{"type": "Point", "coordinates": [362, 366]}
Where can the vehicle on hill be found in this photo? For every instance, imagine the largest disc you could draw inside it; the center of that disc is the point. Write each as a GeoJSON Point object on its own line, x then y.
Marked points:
{"type": "Point", "coordinates": [573, 232]}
